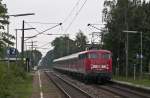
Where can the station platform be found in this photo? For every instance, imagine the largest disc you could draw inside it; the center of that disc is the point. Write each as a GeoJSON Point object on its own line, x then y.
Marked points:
{"type": "Point", "coordinates": [132, 85]}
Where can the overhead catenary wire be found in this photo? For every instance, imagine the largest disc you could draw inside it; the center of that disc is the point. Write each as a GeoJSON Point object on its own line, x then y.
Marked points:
{"type": "Point", "coordinates": [44, 30]}
{"type": "Point", "coordinates": [28, 23]}
{"type": "Point", "coordinates": [48, 29]}
{"type": "Point", "coordinates": [44, 45]}
{"type": "Point", "coordinates": [32, 27]}
{"type": "Point", "coordinates": [74, 18]}
{"type": "Point", "coordinates": [77, 3]}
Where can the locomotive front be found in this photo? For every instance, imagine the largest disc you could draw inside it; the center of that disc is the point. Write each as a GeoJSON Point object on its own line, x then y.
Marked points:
{"type": "Point", "coordinates": [99, 64]}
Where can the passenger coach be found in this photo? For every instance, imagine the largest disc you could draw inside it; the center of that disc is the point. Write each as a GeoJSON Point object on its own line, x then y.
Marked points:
{"type": "Point", "coordinates": [91, 64]}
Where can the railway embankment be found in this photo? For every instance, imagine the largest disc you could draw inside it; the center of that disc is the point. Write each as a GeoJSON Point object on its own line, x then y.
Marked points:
{"type": "Point", "coordinates": [132, 85]}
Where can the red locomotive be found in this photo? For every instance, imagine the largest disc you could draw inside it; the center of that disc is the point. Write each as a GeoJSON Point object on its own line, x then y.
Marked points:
{"type": "Point", "coordinates": [91, 64]}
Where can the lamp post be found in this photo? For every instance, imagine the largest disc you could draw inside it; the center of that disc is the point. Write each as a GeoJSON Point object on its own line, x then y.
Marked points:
{"type": "Point", "coordinates": [22, 41]}
{"type": "Point", "coordinates": [141, 56]}
{"type": "Point", "coordinates": [141, 50]}
{"type": "Point", "coordinates": [16, 44]}
{"type": "Point", "coordinates": [15, 15]}
{"type": "Point", "coordinates": [18, 15]}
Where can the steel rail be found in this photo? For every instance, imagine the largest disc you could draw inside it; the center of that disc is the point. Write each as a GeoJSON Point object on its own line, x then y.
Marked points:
{"type": "Point", "coordinates": [58, 86]}
{"type": "Point", "coordinates": [85, 93]}
{"type": "Point", "coordinates": [75, 87]}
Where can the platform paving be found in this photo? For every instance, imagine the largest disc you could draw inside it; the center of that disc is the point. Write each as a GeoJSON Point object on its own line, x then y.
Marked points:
{"type": "Point", "coordinates": [43, 88]}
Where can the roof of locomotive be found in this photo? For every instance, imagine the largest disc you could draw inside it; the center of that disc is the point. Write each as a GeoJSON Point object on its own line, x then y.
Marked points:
{"type": "Point", "coordinates": [75, 55]}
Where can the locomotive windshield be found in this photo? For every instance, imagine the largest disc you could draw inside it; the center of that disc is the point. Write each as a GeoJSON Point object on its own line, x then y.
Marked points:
{"type": "Point", "coordinates": [97, 55]}
{"type": "Point", "coordinates": [83, 56]}
{"type": "Point", "coordinates": [106, 56]}
{"type": "Point", "coordinates": [93, 55]}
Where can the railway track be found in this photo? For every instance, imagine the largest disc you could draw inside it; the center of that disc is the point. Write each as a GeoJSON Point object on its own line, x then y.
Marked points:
{"type": "Point", "coordinates": [124, 92]}
{"type": "Point", "coordinates": [111, 90]}
{"type": "Point", "coordinates": [71, 91]}
{"type": "Point", "coordinates": [90, 89]}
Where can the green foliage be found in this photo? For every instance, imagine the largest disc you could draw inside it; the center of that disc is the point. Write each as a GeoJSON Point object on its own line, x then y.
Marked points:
{"type": "Point", "coordinates": [48, 59]}
{"type": "Point", "coordinates": [23, 89]}
{"type": "Point", "coordinates": [11, 78]}
{"type": "Point", "coordinates": [34, 56]}
{"type": "Point", "coordinates": [120, 15]}
{"type": "Point", "coordinates": [64, 46]}
{"type": "Point", "coordinates": [5, 38]}
{"type": "Point", "coordinates": [81, 41]}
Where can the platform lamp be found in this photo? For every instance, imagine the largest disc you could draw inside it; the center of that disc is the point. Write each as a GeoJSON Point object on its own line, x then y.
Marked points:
{"type": "Point", "coordinates": [14, 15]}
{"type": "Point", "coordinates": [141, 50]}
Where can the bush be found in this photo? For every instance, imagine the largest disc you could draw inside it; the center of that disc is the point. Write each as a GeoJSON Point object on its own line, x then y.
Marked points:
{"type": "Point", "coordinates": [10, 78]}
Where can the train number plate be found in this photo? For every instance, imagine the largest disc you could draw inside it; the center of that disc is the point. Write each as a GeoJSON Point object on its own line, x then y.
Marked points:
{"type": "Point", "coordinates": [98, 66]}
{"type": "Point", "coordinates": [95, 66]}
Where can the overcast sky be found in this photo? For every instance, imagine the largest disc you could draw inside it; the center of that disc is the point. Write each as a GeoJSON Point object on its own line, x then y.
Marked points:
{"type": "Point", "coordinates": [53, 11]}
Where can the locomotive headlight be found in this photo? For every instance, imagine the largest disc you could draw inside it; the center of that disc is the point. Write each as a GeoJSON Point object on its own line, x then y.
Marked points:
{"type": "Point", "coordinates": [107, 66]}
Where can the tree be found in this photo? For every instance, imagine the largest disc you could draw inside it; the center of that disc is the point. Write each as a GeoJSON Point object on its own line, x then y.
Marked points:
{"type": "Point", "coordinates": [63, 46]}
{"type": "Point", "coordinates": [130, 15]}
{"type": "Point", "coordinates": [34, 56]}
{"type": "Point", "coordinates": [48, 59]}
{"type": "Point", "coordinates": [4, 36]}
{"type": "Point", "coordinates": [81, 41]}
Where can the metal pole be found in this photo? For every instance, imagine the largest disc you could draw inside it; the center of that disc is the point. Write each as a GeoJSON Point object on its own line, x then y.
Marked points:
{"type": "Point", "coordinates": [32, 54]}
{"type": "Point", "coordinates": [134, 71]}
{"type": "Point", "coordinates": [141, 57]}
{"type": "Point", "coordinates": [149, 67]}
{"type": "Point", "coordinates": [118, 67]}
{"type": "Point", "coordinates": [102, 38]}
{"type": "Point", "coordinates": [22, 43]}
{"type": "Point", "coordinates": [127, 56]}
{"type": "Point", "coordinates": [68, 44]}
{"type": "Point", "coordinates": [8, 46]}
{"type": "Point", "coordinates": [16, 46]}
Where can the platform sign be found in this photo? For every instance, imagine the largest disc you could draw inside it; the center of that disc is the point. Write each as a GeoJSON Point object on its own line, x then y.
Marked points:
{"type": "Point", "coordinates": [11, 52]}
{"type": "Point", "coordinates": [138, 56]}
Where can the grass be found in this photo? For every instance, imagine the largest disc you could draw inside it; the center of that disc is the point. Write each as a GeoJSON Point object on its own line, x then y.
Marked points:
{"type": "Point", "coordinates": [23, 89]}
{"type": "Point", "coordinates": [14, 82]}
{"type": "Point", "coordinates": [143, 82]}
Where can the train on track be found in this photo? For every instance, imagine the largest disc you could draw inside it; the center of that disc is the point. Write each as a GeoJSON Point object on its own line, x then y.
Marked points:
{"type": "Point", "coordinates": [88, 65]}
